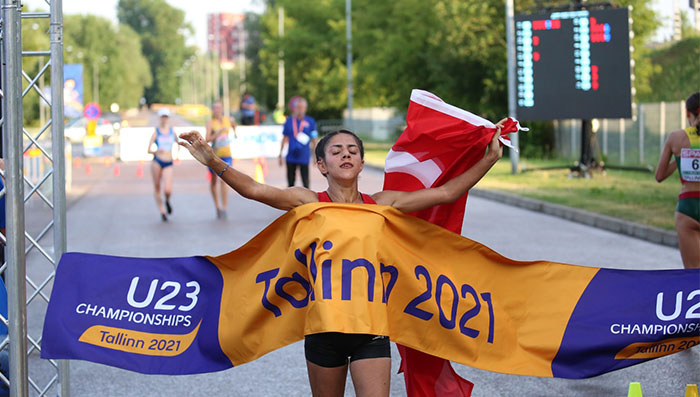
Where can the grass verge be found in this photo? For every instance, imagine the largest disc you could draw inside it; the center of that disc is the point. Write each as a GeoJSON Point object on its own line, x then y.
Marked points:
{"type": "Point", "coordinates": [630, 195]}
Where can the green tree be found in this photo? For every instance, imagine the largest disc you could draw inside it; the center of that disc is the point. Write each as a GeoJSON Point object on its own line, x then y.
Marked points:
{"type": "Point", "coordinates": [162, 29]}
{"type": "Point", "coordinates": [680, 78]}
{"type": "Point", "coordinates": [111, 55]}
{"type": "Point", "coordinates": [314, 53]}
{"type": "Point", "coordinates": [454, 48]}
{"type": "Point", "coordinates": [256, 81]}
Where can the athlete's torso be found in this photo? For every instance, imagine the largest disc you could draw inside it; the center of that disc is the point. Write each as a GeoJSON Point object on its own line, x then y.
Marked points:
{"type": "Point", "coordinates": [323, 197]}
{"type": "Point", "coordinates": [688, 161]}
{"type": "Point", "coordinates": [222, 142]}
{"type": "Point", "coordinates": [164, 144]}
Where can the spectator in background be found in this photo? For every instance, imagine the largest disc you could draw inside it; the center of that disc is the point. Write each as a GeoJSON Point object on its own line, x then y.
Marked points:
{"type": "Point", "coordinates": [300, 137]}
{"type": "Point", "coordinates": [248, 108]}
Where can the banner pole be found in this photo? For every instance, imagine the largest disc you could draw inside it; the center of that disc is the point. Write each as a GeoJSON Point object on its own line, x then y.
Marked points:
{"type": "Point", "coordinates": [12, 136]}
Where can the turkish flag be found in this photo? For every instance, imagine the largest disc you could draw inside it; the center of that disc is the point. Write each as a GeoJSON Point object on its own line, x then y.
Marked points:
{"type": "Point", "coordinates": [440, 142]}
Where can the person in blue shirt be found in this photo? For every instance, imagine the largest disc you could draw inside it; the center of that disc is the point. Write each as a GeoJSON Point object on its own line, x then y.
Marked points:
{"type": "Point", "coordinates": [248, 108]}
{"type": "Point", "coordinates": [300, 137]}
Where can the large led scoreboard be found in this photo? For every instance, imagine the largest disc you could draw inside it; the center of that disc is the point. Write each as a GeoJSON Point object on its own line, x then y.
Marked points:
{"type": "Point", "coordinates": [573, 64]}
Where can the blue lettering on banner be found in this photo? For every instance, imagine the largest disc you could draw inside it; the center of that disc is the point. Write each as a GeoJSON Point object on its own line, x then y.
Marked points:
{"type": "Point", "coordinates": [267, 277]}
{"type": "Point", "coordinates": [445, 290]}
{"type": "Point", "coordinates": [348, 267]}
{"type": "Point", "coordinates": [450, 323]}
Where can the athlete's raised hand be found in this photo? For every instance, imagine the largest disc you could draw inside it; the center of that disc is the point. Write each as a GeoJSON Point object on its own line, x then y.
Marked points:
{"type": "Point", "coordinates": [495, 151]}
{"type": "Point", "coordinates": [197, 146]}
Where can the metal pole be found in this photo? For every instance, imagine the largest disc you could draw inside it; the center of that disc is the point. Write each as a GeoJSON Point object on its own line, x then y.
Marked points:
{"type": "Point", "coordinates": [195, 74]}
{"type": "Point", "coordinates": [622, 141]}
{"type": "Point", "coordinates": [662, 124]}
{"type": "Point", "coordinates": [208, 89]}
{"type": "Point", "coordinates": [640, 119]}
{"type": "Point", "coordinates": [605, 137]}
{"type": "Point", "coordinates": [96, 82]}
{"type": "Point", "coordinates": [59, 160]}
{"type": "Point", "coordinates": [224, 72]}
{"type": "Point", "coordinates": [194, 84]}
{"type": "Point", "coordinates": [280, 63]}
{"type": "Point", "coordinates": [42, 104]}
{"type": "Point", "coordinates": [227, 105]}
{"type": "Point", "coordinates": [14, 210]}
{"type": "Point", "coordinates": [573, 138]}
{"type": "Point", "coordinates": [348, 37]}
{"type": "Point", "coordinates": [241, 55]}
{"type": "Point", "coordinates": [510, 49]}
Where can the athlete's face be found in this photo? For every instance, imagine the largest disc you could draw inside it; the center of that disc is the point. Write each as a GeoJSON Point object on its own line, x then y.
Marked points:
{"type": "Point", "coordinates": [217, 109]}
{"type": "Point", "coordinates": [343, 160]}
{"type": "Point", "coordinates": [300, 109]}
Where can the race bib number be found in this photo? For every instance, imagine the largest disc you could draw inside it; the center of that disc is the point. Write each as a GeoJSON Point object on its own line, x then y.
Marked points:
{"type": "Point", "coordinates": [690, 165]}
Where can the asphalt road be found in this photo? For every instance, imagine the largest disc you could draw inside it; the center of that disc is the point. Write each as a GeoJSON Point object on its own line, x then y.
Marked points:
{"type": "Point", "coordinates": [117, 215]}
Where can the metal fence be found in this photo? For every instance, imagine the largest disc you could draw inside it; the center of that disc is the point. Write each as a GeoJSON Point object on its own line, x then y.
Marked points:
{"type": "Point", "coordinates": [633, 142]}
{"type": "Point", "coordinates": [40, 238]}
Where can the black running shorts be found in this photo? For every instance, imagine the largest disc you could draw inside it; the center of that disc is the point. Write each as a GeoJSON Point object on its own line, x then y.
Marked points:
{"type": "Point", "coordinates": [332, 349]}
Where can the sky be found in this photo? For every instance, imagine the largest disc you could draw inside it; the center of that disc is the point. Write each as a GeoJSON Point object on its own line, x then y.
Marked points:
{"type": "Point", "coordinates": [664, 9]}
{"type": "Point", "coordinates": [195, 11]}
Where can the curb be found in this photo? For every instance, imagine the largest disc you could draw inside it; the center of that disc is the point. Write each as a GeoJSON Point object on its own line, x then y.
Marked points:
{"type": "Point", "coordinates": [609, 223]}
{"type": "Point", "coordinates": [615, 225]}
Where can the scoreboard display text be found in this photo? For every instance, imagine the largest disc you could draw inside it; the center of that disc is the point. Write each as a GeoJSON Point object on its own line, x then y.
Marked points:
{"type": "Point", "coordinates": [573, 64]}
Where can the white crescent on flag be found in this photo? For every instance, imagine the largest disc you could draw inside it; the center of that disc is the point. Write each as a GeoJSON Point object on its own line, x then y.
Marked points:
{"type": "Point", "coordinates": [427, 172]}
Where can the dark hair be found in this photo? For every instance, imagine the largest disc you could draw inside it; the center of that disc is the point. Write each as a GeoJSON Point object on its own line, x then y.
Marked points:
{"type": "Point", "coordinates": [321, 146]}
{"type": "Point", "coordinates": [692, 105]}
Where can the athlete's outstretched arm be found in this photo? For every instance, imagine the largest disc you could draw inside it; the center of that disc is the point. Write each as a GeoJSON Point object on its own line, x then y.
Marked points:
{"type": "Point", "coordinates": [666, 167]}
{"type": "Point", "coordinates": [284, 199]}
{"type": "Point", "coordinates": [448, 192]}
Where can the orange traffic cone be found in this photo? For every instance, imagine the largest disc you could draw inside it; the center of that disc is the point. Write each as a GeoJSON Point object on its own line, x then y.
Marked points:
{"type": "Point", "coordinates": [139, 170]}
{"type": "Point", "coordinates": [208, 176]}
{"type": "Point", "coordinates": [116, 170]}
{"type": "Point", "coordinates": [263, 162]}
{"type": "Point", "coordinates": [88, 169]}
{"type": "Point", "coordinates": [77, 162]}
{"type": "Point", "coordinates": [691, 391]}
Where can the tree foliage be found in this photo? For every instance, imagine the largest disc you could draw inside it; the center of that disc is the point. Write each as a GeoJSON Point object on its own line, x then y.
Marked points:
{"type": "Point", "coordinates": [677, 66]}
{"type": "Point", "coordinates": [162, 30]}
{"type": "Point", "coordinates": [454, 48]}
{"type": "Point", "coordinates": [110, 53]}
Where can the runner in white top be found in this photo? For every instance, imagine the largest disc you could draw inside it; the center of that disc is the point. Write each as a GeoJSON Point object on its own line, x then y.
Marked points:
{"type": "Point", "coordinates": [161, 146]}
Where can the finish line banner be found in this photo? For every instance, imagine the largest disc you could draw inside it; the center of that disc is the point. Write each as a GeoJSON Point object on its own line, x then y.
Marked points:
{"type": "Point", "coordinates": [383, 273]}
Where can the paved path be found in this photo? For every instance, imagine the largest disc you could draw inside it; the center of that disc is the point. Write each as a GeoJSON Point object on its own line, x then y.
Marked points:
{"type": "Point", "coordinates": [117, 215]}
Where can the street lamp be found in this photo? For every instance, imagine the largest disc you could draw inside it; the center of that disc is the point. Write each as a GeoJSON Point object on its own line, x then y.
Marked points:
{"type": "Point", "coordinates": [96, 78]}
